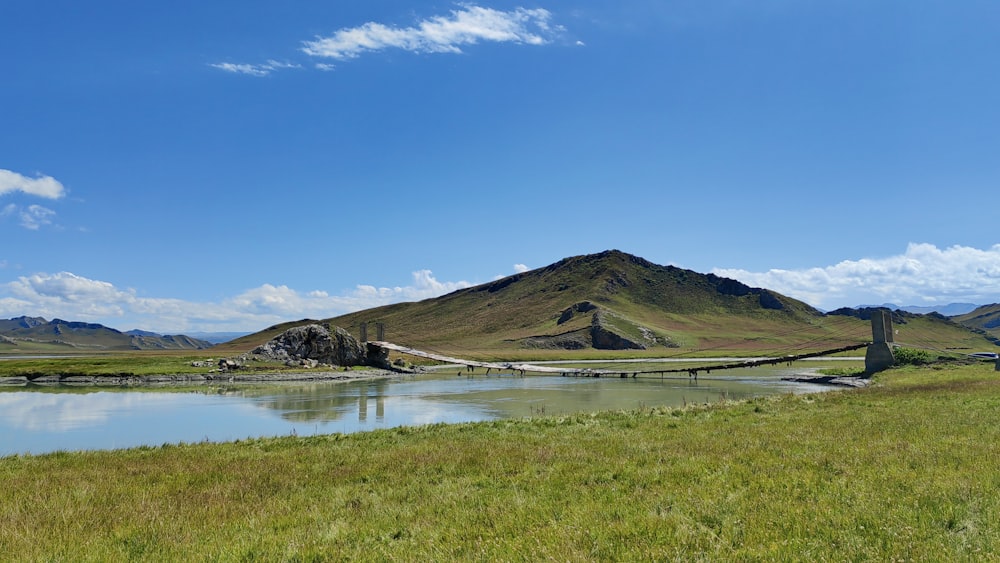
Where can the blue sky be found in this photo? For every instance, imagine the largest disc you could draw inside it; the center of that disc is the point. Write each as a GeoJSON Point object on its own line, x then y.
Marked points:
{"type": "Point", "coordinates": [210, 166]}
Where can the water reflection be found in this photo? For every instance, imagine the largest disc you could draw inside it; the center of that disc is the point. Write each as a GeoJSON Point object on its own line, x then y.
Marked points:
{"type": "Point", "coordinates": [38, 420]}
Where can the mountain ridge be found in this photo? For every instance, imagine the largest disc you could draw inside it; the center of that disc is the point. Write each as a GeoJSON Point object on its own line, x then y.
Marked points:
{"type": "Point", "coordinates": [605, 301]}
{"type": "Point", "coordinates": [31, 332]}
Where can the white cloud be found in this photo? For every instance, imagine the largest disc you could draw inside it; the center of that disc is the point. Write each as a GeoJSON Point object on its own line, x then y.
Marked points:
{"type": "Point", "coordinates": [923, 275]}
{"type": "Point", "coordinates": [34, 217]}
{"type": "Point", "coordinates": [254, 70]}
{"type": "Point", "coordinates": [440, 34]}
{"type": "Point", "coordinates": [71, 297]}
{"type": "Point", "coordinates": [42, 186]}
{"type": "Point", "coordinates": [520, 268]}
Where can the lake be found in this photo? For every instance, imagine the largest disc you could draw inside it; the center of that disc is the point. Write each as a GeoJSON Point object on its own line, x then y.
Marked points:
{"type": "Point", "coordinates": [37, 419]}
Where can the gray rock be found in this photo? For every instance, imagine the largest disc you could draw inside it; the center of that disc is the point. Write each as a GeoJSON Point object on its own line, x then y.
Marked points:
{"type": "Point", "coordinates": [310, 345]}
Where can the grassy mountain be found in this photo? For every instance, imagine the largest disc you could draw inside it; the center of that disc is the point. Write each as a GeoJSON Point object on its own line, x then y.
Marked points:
{"type": "Point", "coordinates": [610, 300]}
{"type": "Point", "coordinates": [985, 318]}
{"type": "Point", "coordinates": [36, 335]}
{"type": "Point", "coordinates": [616, 301]}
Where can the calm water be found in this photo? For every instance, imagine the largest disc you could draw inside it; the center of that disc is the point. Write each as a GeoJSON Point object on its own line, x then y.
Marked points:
{"type": "Point", "coordinates": [39, 420]}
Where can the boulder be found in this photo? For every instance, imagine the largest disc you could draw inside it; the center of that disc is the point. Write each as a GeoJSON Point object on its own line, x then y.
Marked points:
{"type": "Point", "coordinates": [316, 343]}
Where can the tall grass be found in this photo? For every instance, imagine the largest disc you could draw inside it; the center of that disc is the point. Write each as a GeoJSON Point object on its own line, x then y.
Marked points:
{"type": "Point", "coordinates": [904, 470]}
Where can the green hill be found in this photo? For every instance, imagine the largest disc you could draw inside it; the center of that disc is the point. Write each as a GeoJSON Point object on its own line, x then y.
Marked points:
{"type": "Point", "coordinates": [985, 318]}
{"type": "Point", "coordinates": [600, 304]}
{"type": "Point", "coordinates": [36, 335]}
{"type": "Point", "coordinates": [606, 301]}
{"type": "Point", "coordinates": [933, 332]}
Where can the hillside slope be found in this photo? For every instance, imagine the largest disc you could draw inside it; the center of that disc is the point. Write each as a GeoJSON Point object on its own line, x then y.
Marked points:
{"type": "Point", "coordinates": [35, 333]}
{"type": "Point", "coordinates": [985, 318]}
{"type": "Point", "coordinates": [606, 301]}
{"type": "Point", "coordinates": [933, 332]}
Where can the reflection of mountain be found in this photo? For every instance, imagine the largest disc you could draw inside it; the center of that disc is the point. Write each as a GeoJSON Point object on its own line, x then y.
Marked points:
{"type": "Point", "coordinates": [324, 402]}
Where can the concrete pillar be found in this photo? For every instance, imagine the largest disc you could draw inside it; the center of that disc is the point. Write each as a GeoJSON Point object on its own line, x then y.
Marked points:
{"type": "Point", "coordinates": [882, 327]}
{"type": "Point", "coordinates": [879, 355]}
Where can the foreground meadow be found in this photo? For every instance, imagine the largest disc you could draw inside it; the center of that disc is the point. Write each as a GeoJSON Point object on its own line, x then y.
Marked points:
{"type": "Point", "coordinates": [907, 469]}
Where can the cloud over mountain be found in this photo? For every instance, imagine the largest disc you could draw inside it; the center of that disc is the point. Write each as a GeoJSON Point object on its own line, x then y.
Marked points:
{"type": "Point", "coordinates": [923, 275]}
{"type": "Point", "coordinates": [69, 296]}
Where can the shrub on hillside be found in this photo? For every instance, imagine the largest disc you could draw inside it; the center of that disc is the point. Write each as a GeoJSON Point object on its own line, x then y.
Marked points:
{"type": "Point", "coordinates": [912, 357]}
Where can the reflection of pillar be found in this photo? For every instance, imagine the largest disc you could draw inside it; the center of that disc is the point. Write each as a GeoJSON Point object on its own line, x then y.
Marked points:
{"type": "Point", "coordinates": [377, 388]}
{"type": "Point", "coordinates": [879, 354]}
{"type": "Point", "coordinates": [363, 407]}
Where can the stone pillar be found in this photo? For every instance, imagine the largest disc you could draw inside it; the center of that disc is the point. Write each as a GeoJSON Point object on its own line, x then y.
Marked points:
{"type": "Point", "coordinates": [879, 354]}
{"type": "Point", "coordinates": [882, 326]}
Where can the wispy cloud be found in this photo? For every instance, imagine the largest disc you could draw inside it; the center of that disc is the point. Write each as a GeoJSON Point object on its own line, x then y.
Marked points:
{"type": "Point", "coordinates": [34, 217]}
{"type": "Point", "coordinates": [254, 70]}
{"type": "Point", "coordinates": [520, 268]}
{"type": "Point", "coordinates": [41, 186]}
{"type": "Point", "coordinates": [923, 275]}
{"type": "Point", "coordinates": [468, 25]}
{"type": "Point", "coordinates": [440, 34]}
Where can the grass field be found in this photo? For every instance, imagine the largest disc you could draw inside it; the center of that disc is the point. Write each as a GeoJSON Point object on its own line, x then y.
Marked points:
{"type": "Point", "coordinates": [904, 470]}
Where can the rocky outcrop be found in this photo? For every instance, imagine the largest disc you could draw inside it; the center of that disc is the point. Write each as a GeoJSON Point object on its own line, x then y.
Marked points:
{"type": "Point", "coordinates": [377, 356]}
{"type": "Point", "coordinates": [570, 312]}
{"type": "Point", "coordinates": [574, 340]}
{"type": "Point", "coordinates": [603, 337]}
{"type": "Point", "coordinates": [316, 345]}
{"type": "Point", "coordinates": [602, 334]}
{"type": "Point", "coordinates": [323, 343]}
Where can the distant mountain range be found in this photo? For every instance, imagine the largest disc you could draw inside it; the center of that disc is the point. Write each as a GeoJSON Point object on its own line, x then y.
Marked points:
{"type": "Point", "coordinates": [949, 310]}
{"type": "Point", "coordinates": [614, 301]}
{"type": "Point", "coordinates": [35, 334]}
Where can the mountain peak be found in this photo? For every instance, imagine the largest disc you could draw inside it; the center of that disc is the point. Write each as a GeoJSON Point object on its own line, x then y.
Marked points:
{"type": "Point", "coordinates": [603, 300]}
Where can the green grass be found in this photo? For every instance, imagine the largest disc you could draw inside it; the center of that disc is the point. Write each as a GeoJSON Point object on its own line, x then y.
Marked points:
{"type": "Point", "coordinates": [125, 364]}
{"type": "Point", "coordinates": [905, 470]}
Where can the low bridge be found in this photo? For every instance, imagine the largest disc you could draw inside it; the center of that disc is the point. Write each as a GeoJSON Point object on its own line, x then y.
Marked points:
{"type": "Point", "coordinates": [879, 356]}
{"type": "Point", "coordinates": [523, 368]}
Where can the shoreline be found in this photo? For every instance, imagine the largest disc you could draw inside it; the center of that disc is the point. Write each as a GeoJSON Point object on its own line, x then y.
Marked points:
{"type": "Point", "coordinates": [195, 379]}
{"type": "Point", "coordinates": [838, 380]}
